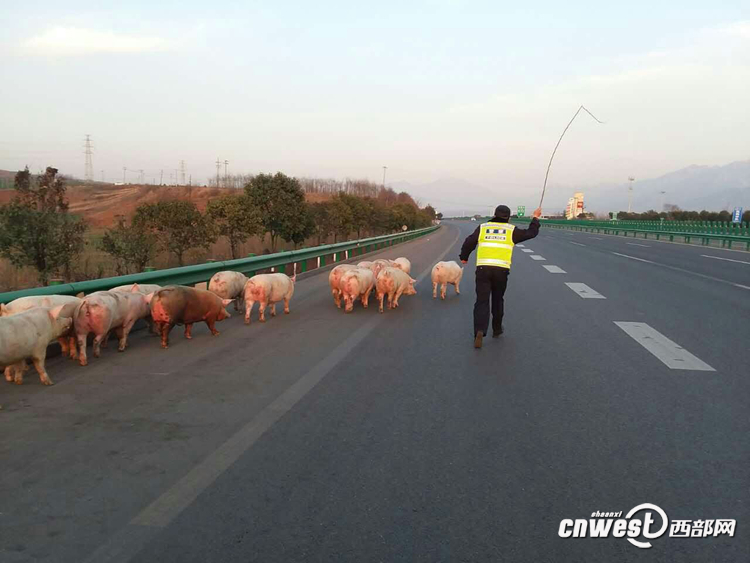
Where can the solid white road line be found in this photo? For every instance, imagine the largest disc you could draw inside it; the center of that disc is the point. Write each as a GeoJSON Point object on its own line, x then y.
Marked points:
{"type": "Point", "coordinates": [537, 257]}
{"type": "Point", "coordinates": [596, 238]}
{"type": "Point", "coordinates": [576, 243]}
{"type": "Point", "coordinates": [526, 250]}
{"type": "Point", "coordinates": [584, 291]}
{"type": "Point", "coordinates": [671, 354]}
{"type": "Point", "coordinates": [554, 269]}
{"type": "Point", "coordinates": [727, 259]}
{"type": "Point", "coordinates": [636, 244]}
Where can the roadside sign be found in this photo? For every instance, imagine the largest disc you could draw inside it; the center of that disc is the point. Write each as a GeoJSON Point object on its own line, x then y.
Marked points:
{"type": "Point", "coordinates": [521, 210]}
{"type": "Point", "coordinates": [614, 215]}
{"type": "Point", "coordinates": [737, 215]}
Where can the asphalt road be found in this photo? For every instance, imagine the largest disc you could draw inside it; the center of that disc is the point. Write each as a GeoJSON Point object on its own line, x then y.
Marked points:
{"type": "Point", "coordinates": [321, 436]}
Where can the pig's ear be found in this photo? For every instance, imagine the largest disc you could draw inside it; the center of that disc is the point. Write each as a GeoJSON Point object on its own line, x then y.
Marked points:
{"type": "Point", "coordinates": [412, 281]}
{"type": "Point", "coordinates": [135, 288]}
{"type": "Point", "coordinates": [149, 296]}
{"type": "Point", "coordinates": [80, 295]}
{"type": "Point", "coordinates": [55, 313]}
{"type": "Point", "coordinates": [226, 302]}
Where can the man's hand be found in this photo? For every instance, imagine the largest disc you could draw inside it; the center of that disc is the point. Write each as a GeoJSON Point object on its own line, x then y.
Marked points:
{"type": "Point", "coordinates": [537, 212]}
{"type": "Point", "coordinates": [464, 261]}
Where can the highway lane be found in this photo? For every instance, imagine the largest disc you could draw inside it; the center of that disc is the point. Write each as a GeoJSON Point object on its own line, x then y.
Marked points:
{"type": "Point", "coordinates": [411, 445]}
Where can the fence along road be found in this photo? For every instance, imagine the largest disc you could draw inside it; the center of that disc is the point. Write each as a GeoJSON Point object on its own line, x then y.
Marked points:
{"type": "Point", "coordinates": [367, 437]}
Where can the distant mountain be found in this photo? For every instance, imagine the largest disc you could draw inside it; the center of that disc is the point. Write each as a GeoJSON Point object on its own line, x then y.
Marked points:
{"type": "Point", "coordinates": [693, 188]}
{"type": "Point", "coordinates": [451, 196]}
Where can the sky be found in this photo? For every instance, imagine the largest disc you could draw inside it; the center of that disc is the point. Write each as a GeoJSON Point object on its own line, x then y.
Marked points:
{"type": "Point", "coordinates": [478, 91]}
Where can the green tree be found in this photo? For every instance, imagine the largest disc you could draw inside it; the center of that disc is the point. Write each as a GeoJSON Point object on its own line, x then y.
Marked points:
{"type": "Point", "coordinates": [132, 246]}
{"type": "Point", "coordinates": [36, 229]}
{"type": "Point", "coordinates": [360, 211]}
{"type": "Point", "coordinates": [322, 219]}
{"type": "Point", "coordinates": [235, 218]}
{"type": "Point", "coordinates": [304, 228]}
{"type": "Point", "coordinates": [281, 203]}
{"type": "Point", "coordinates": [177, 225]}
{"type": "Point", "coordinates": [341, 217]}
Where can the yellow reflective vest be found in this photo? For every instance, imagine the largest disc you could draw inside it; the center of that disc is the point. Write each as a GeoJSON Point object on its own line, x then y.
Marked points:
{"type": "Point", "coordinates": [495, 246]}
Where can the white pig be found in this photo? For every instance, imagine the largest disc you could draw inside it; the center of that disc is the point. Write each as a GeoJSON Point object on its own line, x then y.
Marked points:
{"type": "Point", "coordinates": [402, 263]}
{"type": "Point", "coordinates": [67, 341]}
{"type": "Point", "coordinates": [103, 311]}
{"type": "Point", "coordinates": [268, 289]}
{"type": "Point", "coordinates": [334, 277]}
{"type": "Point", "coordinates": [229, 285]}
{"type": "Point", "coordinates": [393, 282]}
{"type": "Point", "coordinates": [356, 284]}
{"type": "Point", "coordinates": [445, 273]}
{"type": "Point", "coordinates": [27, 335]}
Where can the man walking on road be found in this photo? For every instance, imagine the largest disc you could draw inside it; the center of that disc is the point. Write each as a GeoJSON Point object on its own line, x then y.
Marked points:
{"type": "Point", "coordinates": [494, 242]}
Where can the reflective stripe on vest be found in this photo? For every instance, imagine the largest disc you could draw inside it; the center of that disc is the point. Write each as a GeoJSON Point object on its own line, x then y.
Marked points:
{"type": "Point", "coordinates": [495, 246]}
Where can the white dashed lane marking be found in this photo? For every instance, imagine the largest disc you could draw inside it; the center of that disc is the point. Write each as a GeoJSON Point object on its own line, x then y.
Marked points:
{"type": "Point", "coordinates": [537, 257]}
{"type": "Point", "coordinates": [596, 238]}
{"type": "Point", "coordinates": [727, 259]}
{"type": "Point", "coordinates": [554, 269]}
{"type": "Point", "coordinates": [636, 244]}
{"type": "Point", "coordinates": [576, 243]}
{"type": "Point", "coordinates": [670, 353]}
{"type": "Point", "coordinates": [527, 250]}
{"type": "Point", "coordinates": [584, 291]}
{"type": "Point", "coordinates": [634, 258]}
{"type": "Point", "coordinates": [519, 245]}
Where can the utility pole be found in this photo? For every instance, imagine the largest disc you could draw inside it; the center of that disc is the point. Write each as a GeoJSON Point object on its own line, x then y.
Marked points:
{"type": "Point", "coordinates": [142, 177]}
{"type": "Point", "coordinates": [124, 170]}
{"type": "Point", "coordinates": [161, 177]}
{"type": "Point", "coordinates": [88, 172]}
{"type": "Point", "coordinates": [630, 193]}
{"type": "Point", "coordinates": [102, 175]}
{"type": "Point", "coordinates": [182, 172]}
{"type": "Point", "coordinates": [662, 199]}
{"type": "Point", "coordinates": [226, 174]}
{"type": "Point", "coordinates": [218, 169]}
{"type": "Point", "coordinates": [384, 169]}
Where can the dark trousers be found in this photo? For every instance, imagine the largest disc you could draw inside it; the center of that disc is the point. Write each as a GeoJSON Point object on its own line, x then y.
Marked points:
{"type": "Point", "coordinates": [491, 281]}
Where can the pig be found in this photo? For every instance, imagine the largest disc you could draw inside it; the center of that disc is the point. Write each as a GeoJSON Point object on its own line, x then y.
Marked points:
{"type": "Point", "coordinates": [333, 280]}
{"type": "Point", "coordinates": [103, 311]}
{"type": "Point", "coordinates": [403, 264]}
{"type": "Point", "coordinates": [393, 282]}
{"type": "Point", "coordinates": [229, 285]}
{"type": "Point", "coordinates": [67, 341]}
{"type": "Point", "coordinates": [27, 335]}
{"type": "Point", "coordinates": [144, 288]}
{"type": "Point", "coordinates": [445, 273]}
{"type": "Point", "coordinates": [268, 289]}
{"type": "Point", "coordinates": [179, 304]}
{"type": "Point", "coordinates": [356, 283]}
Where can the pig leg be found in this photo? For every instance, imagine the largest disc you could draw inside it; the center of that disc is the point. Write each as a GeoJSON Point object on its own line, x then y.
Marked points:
{"type": "Point", "coordinates": [273, 309]}
{"type": "Point", "coordinates": [39, 365]}
{"type": "Point", "coordinates": [380, 297]}
{"type": "Point", "coordinates": [443, 290]}
{"type": "Point", "coordinates": [336, 297]}
{"type": "Point", "coordinates": [456, 286]}
{"type": "Point", "coordinates": [63, 341]}
{"type": "Point", "coordinates": [286, 305]}
{"type": "Point", "coordinates": [263, 305]}
{"type": "Point", "coordinates": [9, 373]}
{"type": "Point", "coordinates": [82, 359]}
{"type": "Point", "coordinates": [164, 329]}
{"type": "Point", "coordinates": [98, 343]}
{"type": "Point", "coordinates": [73, 353]}
{"type": "Point", "coordinates": [17, 370]}
{"type": "Point", "coordinates": [125, 331]}
{"type": "Point", "coordinates": [366, 299]}
{"type": "Point", "coordinates": [434, 290]}
{"type": "Point", "coordinates": [188, 328]}
{"type": "Point", "coordinates": [248, 309]}
{"type": "Point", "coordinates": [103, 342]}
{"type": "Point", "coordinates": [211, 322]}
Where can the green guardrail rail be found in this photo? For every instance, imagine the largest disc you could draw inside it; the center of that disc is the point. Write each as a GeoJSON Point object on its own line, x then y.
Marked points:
{"type": "Point", "coordinates": [620, 227]}
{"type": "Point", "coordinates": [201, 273]}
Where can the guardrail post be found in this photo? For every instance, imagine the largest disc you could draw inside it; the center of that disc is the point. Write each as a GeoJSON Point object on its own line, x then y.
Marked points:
{"type": "Point", "coordinates": [303, 266]}
{"type": "Point", "coordinates": [321, 261]}
{"type": "Point", "coordinates": [282, 269]}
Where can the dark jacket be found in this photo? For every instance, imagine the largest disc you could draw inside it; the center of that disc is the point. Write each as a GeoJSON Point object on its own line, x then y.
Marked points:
{"type": "Point", "coordinates": [519, 235]}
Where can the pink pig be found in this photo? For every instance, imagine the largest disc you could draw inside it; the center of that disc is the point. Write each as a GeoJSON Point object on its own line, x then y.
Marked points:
{"type": "Point", "coordinates": [268, 289]}
{"type": "Point", "coordinates": [356, 284]}
{"type": "Point", "coordinates": [393, 282]}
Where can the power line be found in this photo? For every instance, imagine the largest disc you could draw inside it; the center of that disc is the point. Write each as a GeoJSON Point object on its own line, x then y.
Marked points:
{"type": "Point", "coordinates": [182, 172]}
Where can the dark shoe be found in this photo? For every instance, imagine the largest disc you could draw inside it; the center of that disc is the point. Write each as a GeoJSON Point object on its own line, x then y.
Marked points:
{"type": "Point", "coordinates": [496, 334]}
{"type": "Point", "coordinates": [478, 339]}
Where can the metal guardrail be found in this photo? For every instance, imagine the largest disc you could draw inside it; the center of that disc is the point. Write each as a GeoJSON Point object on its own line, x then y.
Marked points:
{"type": "Point", "coordinates": [699, 227]}
{"type": "Point", "coordinates": [201, 273]}
{"type": "Point", "coordinates": [726, 240]}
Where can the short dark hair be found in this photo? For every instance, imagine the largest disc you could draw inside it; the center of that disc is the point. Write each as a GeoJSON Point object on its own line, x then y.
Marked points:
{"type": "Point", "coordinates": [502, 212]}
